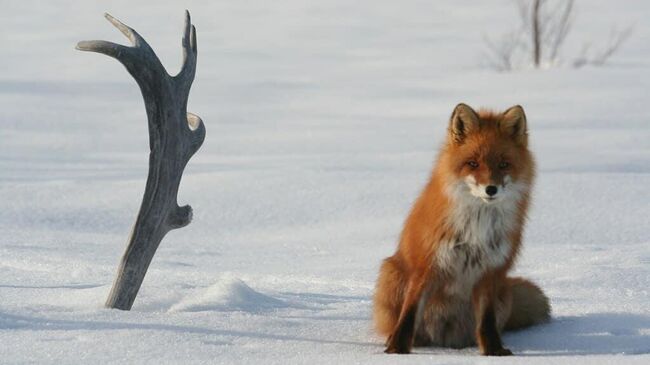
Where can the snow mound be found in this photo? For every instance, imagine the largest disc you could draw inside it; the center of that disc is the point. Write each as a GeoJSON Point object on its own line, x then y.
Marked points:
{"type": "Point", "coordinates": [228, 294]}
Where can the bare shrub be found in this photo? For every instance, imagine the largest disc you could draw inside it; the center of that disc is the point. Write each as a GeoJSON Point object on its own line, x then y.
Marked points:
{"type": "Point", "coordinates": [544, 28]}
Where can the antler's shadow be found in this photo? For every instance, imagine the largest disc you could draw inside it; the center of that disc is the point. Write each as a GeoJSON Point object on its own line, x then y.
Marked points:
{"type": "Point", "coordinates": [598, 333]}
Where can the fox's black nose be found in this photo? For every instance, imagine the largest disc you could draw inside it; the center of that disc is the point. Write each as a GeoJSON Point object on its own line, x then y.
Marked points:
{"type": "Point", "coordinates": [491, 190]}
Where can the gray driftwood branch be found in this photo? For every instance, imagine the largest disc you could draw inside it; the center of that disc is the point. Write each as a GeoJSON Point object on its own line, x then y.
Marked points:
{"type": "Point", "coordinates": [174, 136]}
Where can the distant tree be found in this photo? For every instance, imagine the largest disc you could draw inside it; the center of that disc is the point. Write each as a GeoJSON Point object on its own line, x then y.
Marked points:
{"type": "Point", "coordinates": [547, 27]}
{"type": "Point", "coordinates": [544, 28]}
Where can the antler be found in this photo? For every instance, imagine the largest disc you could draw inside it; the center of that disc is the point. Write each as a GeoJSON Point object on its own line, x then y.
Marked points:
{"type": "Point", "coordinates": [133, 58]}
{"type": "Point", "coordinates": [174, 136]}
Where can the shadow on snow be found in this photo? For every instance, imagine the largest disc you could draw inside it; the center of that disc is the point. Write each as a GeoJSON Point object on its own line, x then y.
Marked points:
{"type": "Point", "coordinates": [591, 334]}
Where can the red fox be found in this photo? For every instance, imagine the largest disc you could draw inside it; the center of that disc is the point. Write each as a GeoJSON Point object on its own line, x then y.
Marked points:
{"type": "Point", "coordinates": [447, 284]}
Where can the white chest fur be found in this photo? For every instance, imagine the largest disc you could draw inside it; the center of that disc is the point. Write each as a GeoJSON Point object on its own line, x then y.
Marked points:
{"type": "Point", "coordinates": [480, 241]}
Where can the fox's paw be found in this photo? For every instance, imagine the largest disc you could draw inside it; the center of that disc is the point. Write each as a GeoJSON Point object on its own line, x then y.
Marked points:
{"type": "Point", "coordinates": [498, 352]}
{"type": "Point", "coordinates": [396, 347]}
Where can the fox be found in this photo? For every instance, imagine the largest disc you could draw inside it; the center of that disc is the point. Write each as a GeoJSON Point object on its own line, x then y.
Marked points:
{"type": "Point", "coordinates": [447, 284]}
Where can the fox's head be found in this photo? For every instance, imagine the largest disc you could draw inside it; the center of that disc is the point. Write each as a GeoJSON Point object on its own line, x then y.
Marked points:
{"type": "Point", "coordinates": [486, 155]}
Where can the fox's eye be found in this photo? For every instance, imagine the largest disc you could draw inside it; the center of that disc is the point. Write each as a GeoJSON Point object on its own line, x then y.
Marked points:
{"type": "Point", "coordinates": [473, 164]}
{"type": "Point", "coordinates": [503, 165]}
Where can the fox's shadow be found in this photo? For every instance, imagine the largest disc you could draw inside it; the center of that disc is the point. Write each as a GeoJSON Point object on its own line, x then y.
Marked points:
{"type": "Point", "coordinates": [598, 333]}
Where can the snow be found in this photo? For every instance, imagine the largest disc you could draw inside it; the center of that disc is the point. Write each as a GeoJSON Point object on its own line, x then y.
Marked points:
{"type": "Point", "coordinates": [228, 294]}
{"type": "Point", "coordinates": [323, 119]}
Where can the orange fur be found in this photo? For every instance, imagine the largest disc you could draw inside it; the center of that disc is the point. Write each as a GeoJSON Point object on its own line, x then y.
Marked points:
{"type": "Point", "coordinates": [446, 285]}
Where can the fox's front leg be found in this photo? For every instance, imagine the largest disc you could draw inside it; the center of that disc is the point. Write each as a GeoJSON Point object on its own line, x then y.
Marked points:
{"type": "Point", "coordinates": [487, 333]}
{"type": "Point", "coordinates": [401, 340]}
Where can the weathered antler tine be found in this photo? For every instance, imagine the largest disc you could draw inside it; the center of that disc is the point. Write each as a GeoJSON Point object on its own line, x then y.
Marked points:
{"type": "Point", "coordinates": [179, 217]}
{"type": "Point", "coordinates": [129, 32]}
{"type": "Point", "coordinates": [193, 42]}
{"type": "Point", "coordinates": [197, 129]}
{"type": "Point", "coordinates": [186, 31]}
{"type": "Point", "coordinates": [189, 36]}
{"type": "Point", "coordinates": [189, 53]}
{"type": "Point", "coordinates": [193, 121]}
{"type": "Point", "coordinates": [108, 48]}
{"type": "Point", "coordinates": [126, 54]}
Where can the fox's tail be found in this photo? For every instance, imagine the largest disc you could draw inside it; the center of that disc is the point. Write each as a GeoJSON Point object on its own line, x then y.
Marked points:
{"type": "Point", "coordinates": [389, 295]}
{"type": "Point", "coordinates": [530, 305]}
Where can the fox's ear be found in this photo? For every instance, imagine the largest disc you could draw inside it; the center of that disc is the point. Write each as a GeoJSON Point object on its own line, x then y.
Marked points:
{"type": "Point", "coordinates": [514, 124]}
{"type": "Point", "coordinates": [463, 121]}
